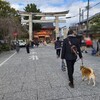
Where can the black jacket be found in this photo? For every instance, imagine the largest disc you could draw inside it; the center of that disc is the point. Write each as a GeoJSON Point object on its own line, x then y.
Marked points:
{"type": "Point", "coordinates": [66, 49]}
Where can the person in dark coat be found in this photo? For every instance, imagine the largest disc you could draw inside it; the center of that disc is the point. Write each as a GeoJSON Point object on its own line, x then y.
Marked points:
{"type": "Point", "coordinates": [69, 56]}
{"type": "Point", "coordinates": [58, 47]}
{"type": "Point", "coordinates": [27, 46]}
{"type": "Point", "coordinates": [37, 43]}
{"type": "Point", "coordinates": [17, 46]}
{"type": "Point", "coordinates": [98, 47]}
{"type": "Point", "coordinates": [32, 43]}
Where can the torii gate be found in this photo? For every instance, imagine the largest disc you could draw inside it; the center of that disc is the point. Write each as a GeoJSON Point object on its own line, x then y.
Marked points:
{"type": "Point", "coordinates": [50, 14]}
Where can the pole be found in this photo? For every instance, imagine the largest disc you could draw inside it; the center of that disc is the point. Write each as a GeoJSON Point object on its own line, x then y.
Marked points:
{"type": "Point", "coordinates": [87, 18]}
{"type": "Point", "coordinates": [79, 19]}
{"type": "Point", "coordinates": [79, 15]}
{"type": "Point", "coordinates": [82, 15]}
{"type": "Point", "coordinates": [57, 26]}
{"type": "Point", "coordinates": [30, 28]}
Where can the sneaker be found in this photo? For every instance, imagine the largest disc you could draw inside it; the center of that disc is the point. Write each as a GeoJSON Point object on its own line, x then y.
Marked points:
{"type": "Point", "coordinates": [71, 84]}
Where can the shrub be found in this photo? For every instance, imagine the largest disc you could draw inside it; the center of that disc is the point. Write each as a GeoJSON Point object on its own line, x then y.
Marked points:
{"type": "Point", "coordinates": [0, 48]}
{"type": "Point", "coordinates": [5, 47]}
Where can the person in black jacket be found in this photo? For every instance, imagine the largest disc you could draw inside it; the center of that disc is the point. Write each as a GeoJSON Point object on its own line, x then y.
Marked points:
{"type": "Point", "coordinates": [27, 46]}
{"type": "Point", "coordinates": [58, 47]}
{"type": "Point", "coordinates": [69, 56]}
{"type": "Point", "coordinates": [98, 47]}
{"type": "Point", "coordinates": [17, 46]}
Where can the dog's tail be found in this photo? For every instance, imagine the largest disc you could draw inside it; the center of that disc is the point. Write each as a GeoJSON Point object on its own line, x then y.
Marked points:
{"type": "Point", "coordinates": [92, 72]}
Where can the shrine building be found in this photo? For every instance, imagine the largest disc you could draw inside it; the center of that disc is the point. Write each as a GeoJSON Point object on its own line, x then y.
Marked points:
{"type": "Point", "coordinates": [46, 32]}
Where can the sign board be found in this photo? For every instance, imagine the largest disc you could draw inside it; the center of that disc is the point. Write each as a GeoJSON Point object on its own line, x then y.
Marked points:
{"type": "Point", "coordinates": [15, 34]}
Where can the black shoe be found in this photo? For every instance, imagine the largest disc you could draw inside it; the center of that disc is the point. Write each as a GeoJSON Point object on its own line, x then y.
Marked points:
{"type": "Point", "coordinates": [86, 52]}
{"type": "Point", "coordinates": [71, 84]}
{"type": "Point", "coordinates": [63, 69]}
{"type": "Point", "coordinates": [58, 56]}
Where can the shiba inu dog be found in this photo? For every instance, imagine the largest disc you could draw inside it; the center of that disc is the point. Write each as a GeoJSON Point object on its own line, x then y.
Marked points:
{"type": "Point", "coordinates": [88, 73]}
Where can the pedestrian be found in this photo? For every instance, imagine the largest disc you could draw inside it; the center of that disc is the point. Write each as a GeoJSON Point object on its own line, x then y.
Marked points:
{"type": "Point", "coordinates": [27, 46]}
{"type": "Point", "coordinates": [69, 56]}
{"type": "Point", "coordinates": [98, 47]}
{"type": "Point", "coordinates": [32, 43]}
{"type": "Point", "coordinates": [83, 45]}
{"type": "Point", "coordinates": [36, 43]}
{"type": "Point", "coordinates": [44, 43]}
{"type": "Point", "coordinates": [17, 46]}
{"type": "Point", "coordinates": [58, 47]}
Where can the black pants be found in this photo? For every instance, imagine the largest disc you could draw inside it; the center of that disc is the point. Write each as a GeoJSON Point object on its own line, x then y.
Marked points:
{"type": "Point", "coordinates": [27, 49]}
{"type": "Point", "coordinates": [70, 69]}
{"type": "Point", "coordinates": [58, 52]}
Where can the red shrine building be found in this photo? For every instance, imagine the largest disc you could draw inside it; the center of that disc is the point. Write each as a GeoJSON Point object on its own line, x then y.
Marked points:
{"type": "Point", "coordinates": [46, 32]}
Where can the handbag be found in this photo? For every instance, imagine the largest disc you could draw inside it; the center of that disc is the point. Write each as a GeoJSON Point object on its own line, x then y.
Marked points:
{"type": "Point", "coordinates": [63, 66]}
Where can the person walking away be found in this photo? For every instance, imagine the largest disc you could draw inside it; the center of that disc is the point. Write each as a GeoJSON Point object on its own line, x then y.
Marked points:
{"type": "Point", "coordinates": [98, 47]}
{"type": "Point", "coordinates": [27, 46]}
{"type": "Point", "coordinates": [32, 43]}
{"type": "Point", "coordinates": [83, 46]}
{"type": "Point", "coordinates": [44, 43]}
{"type": "Point", "coordinates": [58, 47]}
{"type": "Point", "coordinates": [69, 56]}
{"type": "Point", "coordinates": [36, 42]}
{"type": "Point", "coordinates": [84, 43]}
{"type": "Point", "coordinates": [17, 46]}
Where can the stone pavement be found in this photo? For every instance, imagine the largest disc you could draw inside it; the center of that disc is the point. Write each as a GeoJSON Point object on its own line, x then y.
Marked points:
{"type": "Point", "coordinates": [38, 76]}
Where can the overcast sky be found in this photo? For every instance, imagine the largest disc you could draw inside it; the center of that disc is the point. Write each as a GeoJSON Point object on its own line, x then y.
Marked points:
{"type": "Point", "coordinates": [59, 5]}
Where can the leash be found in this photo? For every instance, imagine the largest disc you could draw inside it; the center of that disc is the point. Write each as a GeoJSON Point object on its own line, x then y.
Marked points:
{"type": "Point", "coordinates": [77, 59]}
{"type": "Point", "coordinates": [81, 61]}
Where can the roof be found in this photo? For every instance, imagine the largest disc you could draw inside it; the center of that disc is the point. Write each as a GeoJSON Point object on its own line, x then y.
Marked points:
{"type": "Point", "coordinates": [90, 18]}
{"type": "Point", "coordinates": [47, 25]}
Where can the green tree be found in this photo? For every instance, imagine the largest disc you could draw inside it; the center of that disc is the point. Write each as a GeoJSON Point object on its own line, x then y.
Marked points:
{"type": "Point", "coordinates": [6, 10]}
{"type": "Point", "coordinates": [9, 21]}
{"type": "Point", "coordinates": [95, 24]}
{"type": "Point", "coordinates": [33, 8]}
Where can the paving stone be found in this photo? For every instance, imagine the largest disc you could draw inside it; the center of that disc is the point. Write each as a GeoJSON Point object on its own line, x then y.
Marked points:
{"type": "Point", "coordinates": [22, 78]}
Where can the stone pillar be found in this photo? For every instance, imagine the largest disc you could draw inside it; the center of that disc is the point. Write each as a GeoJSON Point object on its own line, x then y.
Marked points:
{"type": "Point", "coordinates": [57, 26]}
{"type": "Point", "coordinates": [30, 28]}
{"type": "Point", "coordinates": [22, 19]}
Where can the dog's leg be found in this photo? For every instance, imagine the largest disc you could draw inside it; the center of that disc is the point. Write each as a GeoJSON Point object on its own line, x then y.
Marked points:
{"type": "Point", "coordinates": [83, 78]}
{"type": "Point", "coordinates": [93, 82]}
{"type": "Point", "coordinates": [89, 80]}
{"type": "Point", "coordinates": [86, 79]}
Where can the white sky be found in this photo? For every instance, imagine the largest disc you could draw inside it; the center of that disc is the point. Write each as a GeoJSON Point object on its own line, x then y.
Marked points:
{"type": "Point", "coordinates": [59, 5]}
